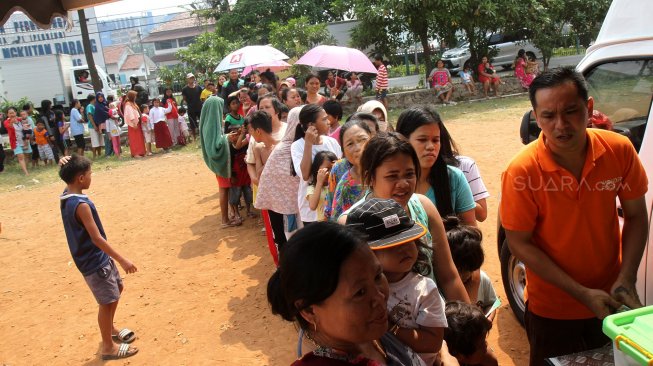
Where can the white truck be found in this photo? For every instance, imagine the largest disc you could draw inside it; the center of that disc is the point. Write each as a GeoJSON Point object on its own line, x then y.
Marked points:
{"type": "Point", "coordinates": [51, 77]}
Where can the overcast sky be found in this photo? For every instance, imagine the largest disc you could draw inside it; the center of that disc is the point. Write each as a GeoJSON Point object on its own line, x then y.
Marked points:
{"type": "Point", "coordinates": [125, 8]}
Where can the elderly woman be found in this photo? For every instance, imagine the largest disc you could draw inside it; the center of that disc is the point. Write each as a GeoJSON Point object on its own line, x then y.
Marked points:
{"type": "Point", "coordinates": [132, 116]}
{"type": "Point", "coordinates": [338, 298]}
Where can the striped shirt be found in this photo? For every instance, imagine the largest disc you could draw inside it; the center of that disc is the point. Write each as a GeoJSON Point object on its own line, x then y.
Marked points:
{"type": "Point", "coordinates": [382, 77]}
{"type": "Point", "coordinates": [473, 175]}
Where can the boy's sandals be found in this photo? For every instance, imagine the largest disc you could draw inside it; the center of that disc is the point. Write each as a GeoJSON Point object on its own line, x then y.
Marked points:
{"type": "Point", "coordinates": [124, 351]}
{"type": "Point", "coordinates": [124, 336]}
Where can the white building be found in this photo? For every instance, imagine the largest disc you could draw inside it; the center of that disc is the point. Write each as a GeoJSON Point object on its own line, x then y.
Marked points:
{"type": "Point", "coordinates": [21, 38]}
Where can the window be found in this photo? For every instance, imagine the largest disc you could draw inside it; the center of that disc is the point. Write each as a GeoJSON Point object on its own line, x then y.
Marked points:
{"type": "Point", "coordinates": [185, 42]}
{"type": "Point", "coordinates": [495, 38]}
{"type": "Point", "coordinates": [165, 45]}
{"type": "Point", "coordinates": [622, 90]}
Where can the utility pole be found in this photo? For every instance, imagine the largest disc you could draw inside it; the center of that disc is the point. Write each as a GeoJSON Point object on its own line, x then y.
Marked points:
{"type": "Point", "coordinates": [140, 42]}
{"type": "Point", "coordinates": [88, 52]}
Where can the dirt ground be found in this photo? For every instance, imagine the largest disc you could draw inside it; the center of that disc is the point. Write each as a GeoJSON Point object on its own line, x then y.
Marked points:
{"type": "Point", "coordinates": [199, 296]}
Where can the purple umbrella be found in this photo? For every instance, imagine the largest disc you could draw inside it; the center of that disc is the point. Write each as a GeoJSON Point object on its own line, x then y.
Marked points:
{"type": "Point", "coordinates": [339, 58]}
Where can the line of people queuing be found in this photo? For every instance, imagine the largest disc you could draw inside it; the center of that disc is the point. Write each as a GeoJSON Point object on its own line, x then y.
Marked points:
{"type": "Point", "coordinates": [406, 186]}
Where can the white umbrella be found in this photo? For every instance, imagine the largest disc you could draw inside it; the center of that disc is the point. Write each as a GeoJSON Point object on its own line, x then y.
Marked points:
{"type": "Point", "coordinates": [249, 56]}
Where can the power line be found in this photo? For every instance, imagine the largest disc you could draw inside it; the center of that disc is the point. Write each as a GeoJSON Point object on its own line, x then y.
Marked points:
{"type": "Point", "coordinates": [79, 35]}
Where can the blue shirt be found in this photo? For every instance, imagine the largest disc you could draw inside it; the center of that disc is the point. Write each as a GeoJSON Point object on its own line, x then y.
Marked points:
{"type": "Point", "coordinates": [90, 109]}
{"type": "Point", "coordinates": [76, 123]}
{"type": "Point", "coordinates": [87, 256]}
{"type": "Point", "coordinates": [462, 199]}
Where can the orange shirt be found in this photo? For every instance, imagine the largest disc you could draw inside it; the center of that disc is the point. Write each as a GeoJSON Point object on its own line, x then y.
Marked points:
{"type": "Point", "coordinates": [574, 223]}
{"type": "Point", "coordinates": [41, 137]}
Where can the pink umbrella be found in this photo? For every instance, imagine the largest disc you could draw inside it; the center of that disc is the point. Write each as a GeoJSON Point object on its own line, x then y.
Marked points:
{"type": "Point", "coordinates": [275, 66]}
{"type": "Point", "coordinates": [340, 58]}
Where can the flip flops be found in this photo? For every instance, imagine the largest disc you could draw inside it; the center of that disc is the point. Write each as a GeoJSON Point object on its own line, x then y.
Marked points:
{"type": "Point", "coordinates": [124, 351]}
{"type": "Point", "coordinates": [124, 336]}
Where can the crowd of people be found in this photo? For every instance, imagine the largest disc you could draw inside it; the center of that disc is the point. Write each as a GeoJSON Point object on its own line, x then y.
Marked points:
{"type": "Point", "coordinates": [373, 224]}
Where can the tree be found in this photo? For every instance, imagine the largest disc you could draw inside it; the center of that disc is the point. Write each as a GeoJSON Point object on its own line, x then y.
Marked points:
{"type": "Point", "coordinates": [549, 18]}
{"type": "Point", "coordinates": [393, 24]}
{"type": "Point", "coordinates": [298, 36]}
{"type": "Point", "coordinates": [249, 21]}
{"type": "Point", "coordinates": [86, 43]}
{"type": "Point", "coordinates": [206, 52]}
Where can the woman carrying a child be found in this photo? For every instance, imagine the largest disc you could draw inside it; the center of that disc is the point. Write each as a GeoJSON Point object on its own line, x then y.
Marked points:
{"type": "Point", "coordinates": [520, 70]}
{"type": "Point", "coordinates": [488, 77]}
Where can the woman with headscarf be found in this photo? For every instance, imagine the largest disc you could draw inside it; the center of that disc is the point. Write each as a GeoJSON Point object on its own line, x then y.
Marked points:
{"type": "Point", "coordinates": [132, 116]}
{"type": "Point", "coordinates": [215, 150]}
{"type": "Point", "coordinates": [377, 109]}
{"type": "Point", "coordinates": [100, 117]}
{"type": "Point", "coordinates": [278, 187]}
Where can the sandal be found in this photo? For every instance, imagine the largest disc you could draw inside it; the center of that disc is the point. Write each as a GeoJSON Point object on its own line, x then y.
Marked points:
{"type": "Point", "coordinates": [124, 336]}
{"type": "Point", "coordinates": [124, 351]}
{"type": "Point", "coordinates": [228, 224]}
{"type": "Point", "coordinates": [251, 215]}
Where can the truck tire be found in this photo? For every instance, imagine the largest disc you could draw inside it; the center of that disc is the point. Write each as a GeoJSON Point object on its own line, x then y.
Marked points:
{"type": "Point", "coordinates": [513, 274]}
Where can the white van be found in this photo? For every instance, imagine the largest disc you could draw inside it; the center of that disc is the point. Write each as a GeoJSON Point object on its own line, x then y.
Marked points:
{"type": "Point", "coordinates": [619, 72]}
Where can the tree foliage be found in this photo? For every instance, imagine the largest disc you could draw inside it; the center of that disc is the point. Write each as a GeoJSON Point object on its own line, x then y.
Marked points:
{"type": "Point", "coordinates": [395, 24]}
{"type": "Point", "coordinates": [206, 52]}
{"type": "Point", "coordinates": [298, 36]}
{"type": "Point", "coordinates": [549, 18]}
{"type": "Point", "coordinates": [250, 21]}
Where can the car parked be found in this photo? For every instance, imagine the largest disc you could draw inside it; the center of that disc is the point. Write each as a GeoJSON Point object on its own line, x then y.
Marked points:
{"type": "Point", "coordinates": [507, 45]}
{"type": "Point", "coordinates": [619, 73]}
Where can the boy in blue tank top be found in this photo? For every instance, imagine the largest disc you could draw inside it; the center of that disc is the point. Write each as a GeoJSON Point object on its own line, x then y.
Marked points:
{"type": "Point", "coordinates": [93, 255]}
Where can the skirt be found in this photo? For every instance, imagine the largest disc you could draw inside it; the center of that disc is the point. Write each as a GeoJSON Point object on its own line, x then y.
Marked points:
{"type": "Point", "coordinates": [136, 141]}
{"type": "Point", "coordinates": [162, 136]}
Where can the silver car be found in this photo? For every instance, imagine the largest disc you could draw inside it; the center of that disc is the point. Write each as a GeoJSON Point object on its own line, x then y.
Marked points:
{"type": "Point", "coordinates": [507, 46]}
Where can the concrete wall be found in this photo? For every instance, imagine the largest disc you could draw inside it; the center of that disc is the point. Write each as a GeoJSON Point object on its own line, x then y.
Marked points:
{"type": "Point", "coordinates": [427, 96]}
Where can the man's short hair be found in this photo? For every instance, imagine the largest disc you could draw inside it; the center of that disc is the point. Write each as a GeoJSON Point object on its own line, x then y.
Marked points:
{"type": "Point", "coordinates": [91, 97]}
{"type": "Point", "coordinates": [333, 108]}
{"type": "Point", "coordinates": [467, 325]}
{"type": "Point", "coordinates": [260, 120]}
{"type": "Point", "coordinates": [558, 76]}
{"type": "Point", "coordinates": [75, 166]}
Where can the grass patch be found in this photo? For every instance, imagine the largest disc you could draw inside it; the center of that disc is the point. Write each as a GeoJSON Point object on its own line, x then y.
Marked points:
{"type": "Point", "coordinates": [460, 110]}
{"type": "Point", "coordinates": [13, 178]}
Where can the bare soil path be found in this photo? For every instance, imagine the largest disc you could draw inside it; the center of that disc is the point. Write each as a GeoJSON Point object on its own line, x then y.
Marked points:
{"type": "Point", "coordinates": [200, 294]}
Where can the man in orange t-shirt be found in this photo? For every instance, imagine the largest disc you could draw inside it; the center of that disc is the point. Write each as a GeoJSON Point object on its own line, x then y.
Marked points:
{"type": "Point", "coordinates": [558, 209]}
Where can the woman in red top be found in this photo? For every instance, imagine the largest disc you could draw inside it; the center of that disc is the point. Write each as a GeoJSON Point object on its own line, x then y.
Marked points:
{"type": "Point", "coordinates": [488, 77]}
{"type": "Point", "coordinates": [172, 117]}
{"type": "Point", "coordinates": [11, 131]}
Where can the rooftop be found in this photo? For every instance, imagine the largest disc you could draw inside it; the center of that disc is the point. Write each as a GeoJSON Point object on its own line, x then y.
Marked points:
{"type": "Point", "coordinates": [182, 25]}
{"type": "Point", "coordinates": [112, 53]}
{"type": "Point", "coordinates": [134, 62]}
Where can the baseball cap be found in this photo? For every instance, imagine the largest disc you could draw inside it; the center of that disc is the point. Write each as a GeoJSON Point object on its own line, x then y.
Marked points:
{"type": "Point", "coordinates": [385, 223]}
{"type": "Point", "coordinates": [190, 75]}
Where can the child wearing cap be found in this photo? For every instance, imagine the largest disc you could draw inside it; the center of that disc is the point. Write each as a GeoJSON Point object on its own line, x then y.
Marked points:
{"type": "Point", "coordinates": [415, 308]}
